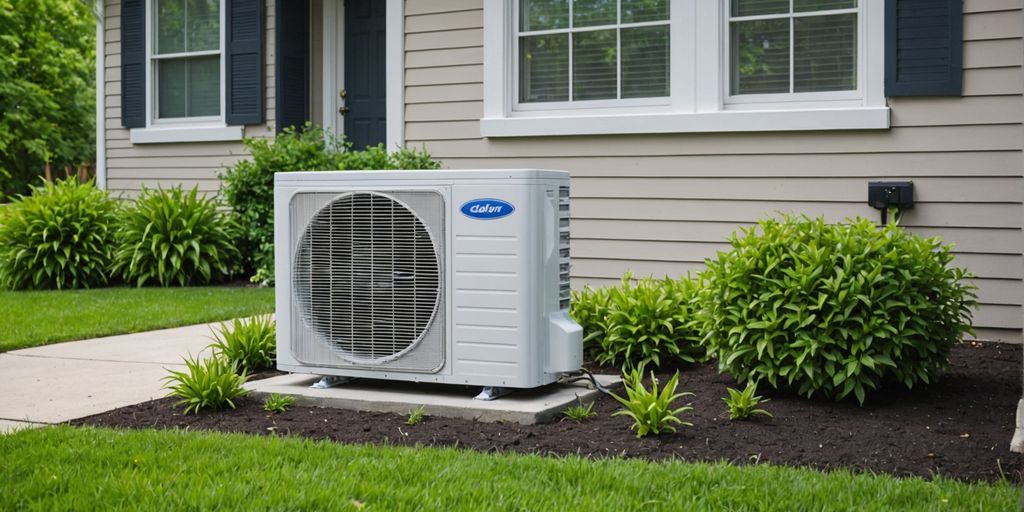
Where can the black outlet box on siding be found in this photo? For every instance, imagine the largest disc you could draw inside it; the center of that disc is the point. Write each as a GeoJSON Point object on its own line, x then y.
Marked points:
{"type": "Point", "coordinates": [883, 195]}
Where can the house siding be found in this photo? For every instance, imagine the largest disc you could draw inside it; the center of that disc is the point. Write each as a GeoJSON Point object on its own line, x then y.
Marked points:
{"type": "Point", "coordinates": [661, 204]}
{"type": "Point", "coordinates": [132, 166]}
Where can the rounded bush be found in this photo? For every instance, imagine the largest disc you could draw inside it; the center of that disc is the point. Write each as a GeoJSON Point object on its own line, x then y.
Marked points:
{"type": "Point", "coordinates": [650, 321]}
{"type": "Point", "coordinates": [173, 237]}
{"type": "Point", "coordinates": [60, 236]}
{"type": "Point", "coordinates": [834, 309]}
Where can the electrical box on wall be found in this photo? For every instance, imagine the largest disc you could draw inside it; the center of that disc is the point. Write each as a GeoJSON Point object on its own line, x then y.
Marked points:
{"type": "Point", "coordinates": [884, 195]}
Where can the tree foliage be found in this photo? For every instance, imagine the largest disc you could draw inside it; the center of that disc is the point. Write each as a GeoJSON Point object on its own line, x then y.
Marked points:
{"type": "Point", "coordinates": [47, 95]}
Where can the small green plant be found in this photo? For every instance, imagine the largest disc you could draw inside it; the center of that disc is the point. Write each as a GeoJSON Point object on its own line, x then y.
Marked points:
{"type": "Point", "coordinates": [249, 184]}
{"type": "Point", "coordinates": [651, 410]}
{"type": "Point", "coordinates": [579, 412]}
{"type": "Point", "coordinates": [60, 237]}
{"type": "Point", "coordinates": [651, 321]}
{"type": "Point", "coordinates": [211, 383]}
{"type": "Point", "coordinates": [250, 344]}
{"type": "Point", "coordinates": [416, 416]}
{"type": "Point", "coordinates": [834, 309]}
{"type": "Point", "coordinates": [743, 404]}
{"type": "Point", "coordinates": [173, 237]}
{"type": "Point", "coordinates": [277, 404]}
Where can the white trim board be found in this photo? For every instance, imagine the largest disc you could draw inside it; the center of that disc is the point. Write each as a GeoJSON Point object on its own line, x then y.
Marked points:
{"type": "Point", "coordinates": [395, 74]}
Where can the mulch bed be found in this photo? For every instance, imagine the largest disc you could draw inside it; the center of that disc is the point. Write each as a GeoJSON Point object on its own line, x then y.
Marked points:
{"type": "Point", "coordinates": [958, 428]}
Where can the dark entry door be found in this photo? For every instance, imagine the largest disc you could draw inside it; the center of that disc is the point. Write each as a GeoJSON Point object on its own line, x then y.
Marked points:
{"type": "Point", "coordinates": [365, 120]}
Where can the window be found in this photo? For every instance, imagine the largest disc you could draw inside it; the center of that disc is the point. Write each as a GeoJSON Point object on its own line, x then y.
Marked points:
{"type": "Point", "coordinates": [186, 59]}
{"type": "Point", "coordinates": [560, 67]}
{"type": "Point", "coordinates": [587, 50]}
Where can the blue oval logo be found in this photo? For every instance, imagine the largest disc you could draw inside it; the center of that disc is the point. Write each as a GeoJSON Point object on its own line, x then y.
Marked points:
{"type": "Point", "coordinates": [487, 209]}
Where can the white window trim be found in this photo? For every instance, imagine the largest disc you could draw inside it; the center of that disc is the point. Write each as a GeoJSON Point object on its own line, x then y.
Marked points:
{"type": "Point", "coordinates": [195, 129]}
{"type": "Point", "coordinates": [699, 101]}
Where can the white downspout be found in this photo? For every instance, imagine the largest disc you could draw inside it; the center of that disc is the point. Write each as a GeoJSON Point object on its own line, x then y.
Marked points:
{"type": "Point", "coordinates": [101, 91]}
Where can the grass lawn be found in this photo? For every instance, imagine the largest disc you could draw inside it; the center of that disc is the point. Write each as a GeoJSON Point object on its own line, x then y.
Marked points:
{"type": "Point", "coordinates": [41, 317]}
{"type": "Point", "coordinates": [64, 468]}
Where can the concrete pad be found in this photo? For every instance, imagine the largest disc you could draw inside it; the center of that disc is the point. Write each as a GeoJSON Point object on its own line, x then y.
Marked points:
{"type": "Point", "coordinates": [166, 346]}
{"type": "Point", "coordinates": [522, 406]}
{"type": "Point", "coordinates": [10, 427]}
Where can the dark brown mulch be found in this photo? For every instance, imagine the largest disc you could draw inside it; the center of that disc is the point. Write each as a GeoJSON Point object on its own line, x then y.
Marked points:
{"type": "Point", "coordinates": [958, 428]}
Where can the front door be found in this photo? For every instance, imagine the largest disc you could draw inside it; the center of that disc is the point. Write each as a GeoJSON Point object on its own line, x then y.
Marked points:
{"type": "Point", "coordinates": [364, 101]}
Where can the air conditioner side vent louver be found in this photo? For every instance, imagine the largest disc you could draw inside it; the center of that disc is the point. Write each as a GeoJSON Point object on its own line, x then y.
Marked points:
{"type": "Point", "coordinates": [564, 292]}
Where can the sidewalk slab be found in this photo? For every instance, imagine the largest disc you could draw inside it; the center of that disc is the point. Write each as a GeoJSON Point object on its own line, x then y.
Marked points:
{"type": "Point", "coordinates": [526, 407]}
{"type": "Point", "coordinates": [166, 346]}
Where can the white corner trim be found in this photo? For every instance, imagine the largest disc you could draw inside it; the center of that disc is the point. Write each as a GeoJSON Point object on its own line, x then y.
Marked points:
{"type": "Point", "coordinates": [157, 135]}
{"type": "Point", "coordinates": [872, 118]}
{"type": "Point", "coordinates": [395, 73]}
{"type": "Point", "coordinates": [101, 93]}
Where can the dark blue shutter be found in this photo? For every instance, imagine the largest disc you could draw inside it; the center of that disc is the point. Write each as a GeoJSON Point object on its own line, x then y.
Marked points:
{"type": "Point", "coordinates": [244, 61]}
{"type": "Point", "coordinates": [133, 63]}
{"type": "Point", "coordinates": [924, 47]}
{"type": "Point", "coordinates": [291, 96]}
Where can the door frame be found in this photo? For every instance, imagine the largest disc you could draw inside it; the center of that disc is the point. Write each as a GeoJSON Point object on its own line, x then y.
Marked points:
{"type": "Point", "coordinates": [333, 18]}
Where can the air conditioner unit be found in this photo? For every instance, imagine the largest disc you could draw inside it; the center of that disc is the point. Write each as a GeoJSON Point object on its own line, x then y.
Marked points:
{"type": "Point", "coordinates": [457, 277]}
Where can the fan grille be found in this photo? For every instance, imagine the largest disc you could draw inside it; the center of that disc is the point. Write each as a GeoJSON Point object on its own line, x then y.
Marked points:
{"type": "Point", "coordinates": [366, 277]}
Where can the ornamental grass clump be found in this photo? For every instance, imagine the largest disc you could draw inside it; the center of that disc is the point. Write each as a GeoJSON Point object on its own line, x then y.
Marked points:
{"type": "Point", "coordinates": [250, 344]}
{"type": "Point", "coordinates": [650, 321]}
{"type": "Point", "coordinates": [211, 383]}
{"type": "Point", "coordinates": [835, 310]}
{"type": "Point", "coordinates": [651, 410]}
{"type": "Point", "coordinates": [61, 236]}
{"type": "Point", "coordinates": [173, 237]}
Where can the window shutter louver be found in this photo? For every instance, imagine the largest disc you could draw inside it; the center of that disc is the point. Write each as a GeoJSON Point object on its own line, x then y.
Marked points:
{"type": "Point", "coordinates": [291, 96]}
{"type": "Point", "coordinates": [133, 63]}
{"type": "Point", "coordinates": [923, 47]}
{"type": "Point", "coordinates": [244, 62]}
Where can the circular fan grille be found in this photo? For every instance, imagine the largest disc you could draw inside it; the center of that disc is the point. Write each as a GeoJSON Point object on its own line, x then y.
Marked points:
{"type": "Point", "coordinates": [366, 276]}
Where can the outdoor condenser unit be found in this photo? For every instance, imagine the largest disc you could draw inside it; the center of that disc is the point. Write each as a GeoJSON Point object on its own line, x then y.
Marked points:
{"type": "Point", "coordinates": [458, 277]}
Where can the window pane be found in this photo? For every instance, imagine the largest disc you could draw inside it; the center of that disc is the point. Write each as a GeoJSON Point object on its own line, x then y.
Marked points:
{"type": "Point", "coordinates": [825, 51]}
{"type": "Point", "coordinates": [544, 68]}
{"type": "Point", "coordinates": [758, 7]}
{"type": "Point", "coordinates": [203, 18]}
{"type": "Point", "coordinates": [170, 26]}
{"type": "Point", "coordinates": [822, 5]}
{"type": "Point", "coordinates": [587, 13]}
{"type": "Point", "coordinates": [637, 11]}
{"type": "Point", "coordinates": [172, 77]}
{"type": "Point", "coordinates": [595, 65]}
{"type": "Point", "coordinates": [543, 14]}
{"type": "Point", "coordinates": [760, 56]}
{"type": "Point", "coordinates": [204, 86]}
{"type": "Point", "coordinates": [645, 62]}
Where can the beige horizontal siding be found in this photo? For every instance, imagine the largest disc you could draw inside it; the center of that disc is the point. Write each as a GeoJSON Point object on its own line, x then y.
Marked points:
{"type": "Point", "coordinates": [132, 166]}
{"type": "Point", "coordinates": [661, 204]}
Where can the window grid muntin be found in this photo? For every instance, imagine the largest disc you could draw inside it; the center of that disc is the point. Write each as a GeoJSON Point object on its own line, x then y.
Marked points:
{"type": "Point", "coordinates": [572, 103]}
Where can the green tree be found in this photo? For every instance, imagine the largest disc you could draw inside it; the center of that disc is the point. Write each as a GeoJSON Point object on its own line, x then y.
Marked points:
{"type": "Point", "coordinates": [47, 95]}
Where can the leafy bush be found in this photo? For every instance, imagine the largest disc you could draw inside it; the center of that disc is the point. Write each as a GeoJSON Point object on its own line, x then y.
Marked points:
{"type": "Point", "coordinates": [59, 237]}
{"type": "Point", "coordinates": [579, 412]}
{"type": "Point", "coordinates": [651, 410]}
{"type": "Point", "coordinates": [174, 237]}
{"type": "Point", "coordinates": [249, 184]}
{"type": "Point", "coordinates": [276, 403]}
{"type": "Point", "coordinates": [650, 321]}
{"type": "Point", "coordinates": [208, 384]}
{"type": "Point", "coordinates": [834, 309]}
{"type": "Point", "coordinates": [416, 416]}
{"type": "Point", "coordinates": [249, 344]}
{"type": "Point", "coordinates": [743, 404]}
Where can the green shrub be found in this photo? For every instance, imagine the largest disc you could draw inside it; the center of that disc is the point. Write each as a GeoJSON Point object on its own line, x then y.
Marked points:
{"type": "Point", "coordinates": [59, 237]}
{"type": "Point", "coordinates": [276, 403]}
{"type": "Point", "coordinates": [834, 309]}
{"type": "Point", "coordinates": [651, 321]}
{"type": "Point", "coordinates": [743, 404]}
{"type": "Point", "coordinates": [172, 237]}
{"type": "Point", "coordinates": [651, 410]}
{"type": "Point", "coordinates": [208, 384]}
{"type": "Point", "coordinates": [249, 184]}
{"type": "Point", "coordinates": [416, 416]}
{"type": "Point", "coordinates": [249, 344]}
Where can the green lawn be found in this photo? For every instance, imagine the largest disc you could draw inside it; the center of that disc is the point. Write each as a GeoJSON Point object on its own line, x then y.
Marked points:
{"type": "Point", "coordinates": [41, 317]}
{"type": "Point", "coordinates": [64, 468]}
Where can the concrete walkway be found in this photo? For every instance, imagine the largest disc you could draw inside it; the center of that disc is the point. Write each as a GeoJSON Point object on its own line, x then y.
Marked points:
{"type": "Point", "coordinates": [65, 381]}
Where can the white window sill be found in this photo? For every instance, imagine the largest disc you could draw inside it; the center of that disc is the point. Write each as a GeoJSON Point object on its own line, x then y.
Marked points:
{"type": "Point", "coordinates": [165, 134]}
{"type": "Point", "coordinates": [861, 118]}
